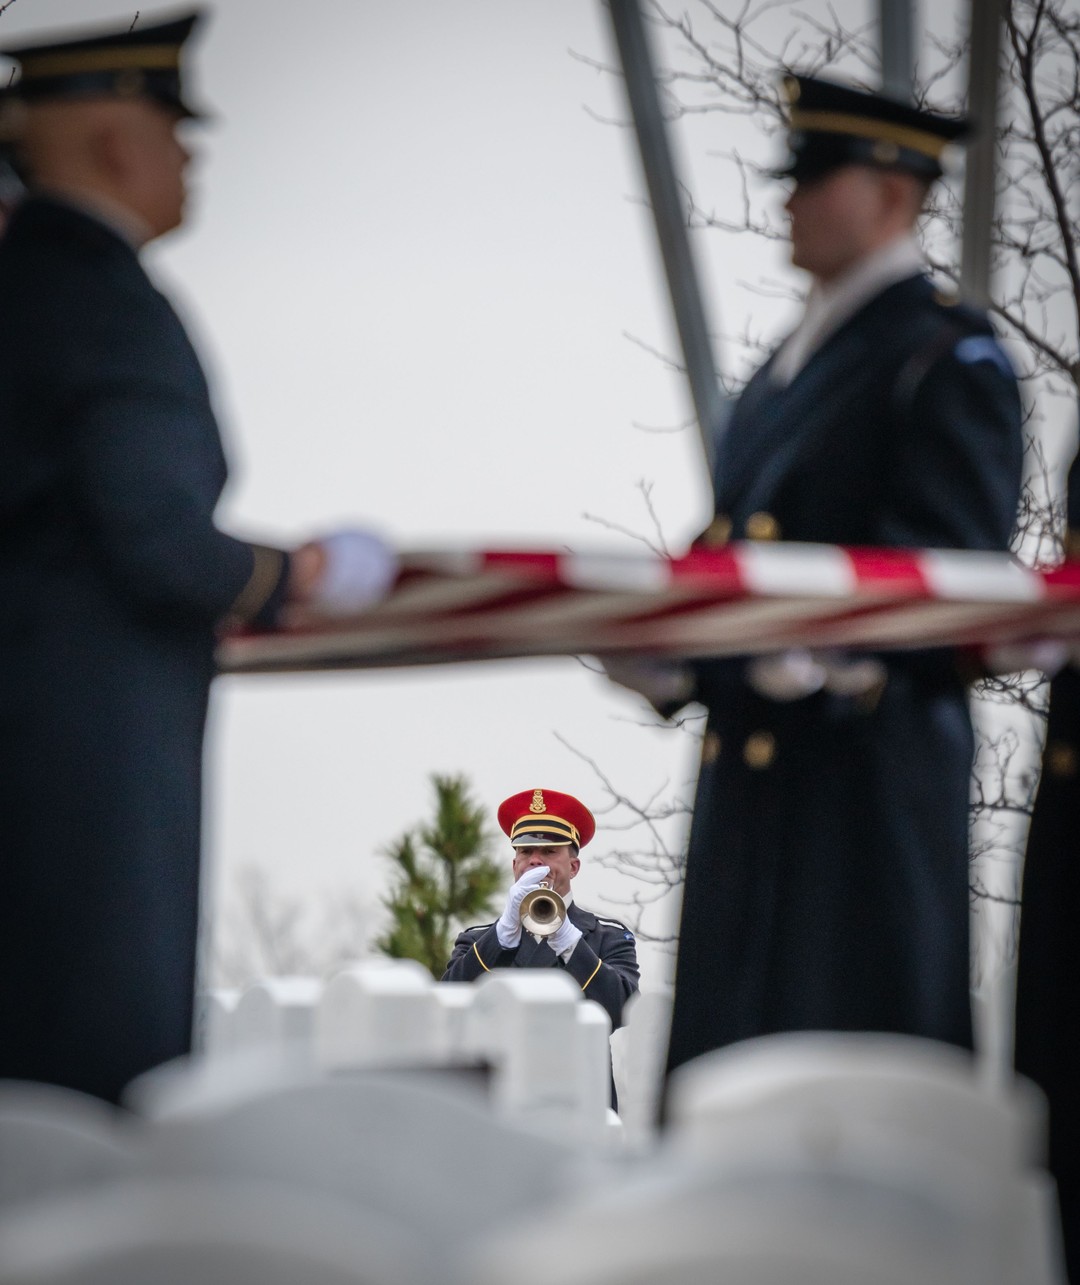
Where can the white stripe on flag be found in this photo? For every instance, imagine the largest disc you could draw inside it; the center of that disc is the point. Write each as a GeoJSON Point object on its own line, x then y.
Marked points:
{"type": "Point", "coordinates": [796, 570]}
{"type": "Point", "coordinates": [641, 573]}
{"type": "Point", "coordinates": [971, 576]}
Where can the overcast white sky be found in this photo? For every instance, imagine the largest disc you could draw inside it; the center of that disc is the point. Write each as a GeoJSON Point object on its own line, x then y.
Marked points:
{"type": "Point", "coordinates": [412, 259]}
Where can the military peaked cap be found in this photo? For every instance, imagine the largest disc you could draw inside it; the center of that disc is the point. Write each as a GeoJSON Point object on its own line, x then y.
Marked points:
{"type": "Point", "coordinates": [546, 819]}
{"type": "Point", "coordinates": [129, 63]}
{"type": "Point", "coordinates": [831, 125]}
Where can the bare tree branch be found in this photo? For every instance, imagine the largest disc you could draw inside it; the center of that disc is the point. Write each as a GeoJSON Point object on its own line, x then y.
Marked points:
{"type": "Point", "coordinates": [722, 59]}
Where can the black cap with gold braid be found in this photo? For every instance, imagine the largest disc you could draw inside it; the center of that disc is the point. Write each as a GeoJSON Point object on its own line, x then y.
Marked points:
{"type": "Point", "coordinates": [831, 125]}
{"type": "Point", "coordinates": [140, 62]}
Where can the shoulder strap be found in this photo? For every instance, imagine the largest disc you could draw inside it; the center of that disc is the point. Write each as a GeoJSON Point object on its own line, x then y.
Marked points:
{"type": "Point", "coordinates": [918, 365]}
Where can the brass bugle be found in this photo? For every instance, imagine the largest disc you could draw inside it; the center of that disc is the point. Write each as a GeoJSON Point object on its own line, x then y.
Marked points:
{"type": "Point", "coordinates": [543, 911]}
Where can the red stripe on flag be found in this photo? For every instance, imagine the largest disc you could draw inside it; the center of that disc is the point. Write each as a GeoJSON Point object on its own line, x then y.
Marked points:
{"type": "Point", "coordinates": [525, 561]}
{"type": "Point", "coordinates": [896, 570]}
{"type": "Point", "coordinates": [716, 569]}
{"type": "Point", "coordinates": [1062, 581]}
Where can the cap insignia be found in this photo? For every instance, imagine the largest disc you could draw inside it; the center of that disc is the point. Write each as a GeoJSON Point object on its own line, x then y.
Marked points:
{"type": "Point", "coordinates": [537, 804]}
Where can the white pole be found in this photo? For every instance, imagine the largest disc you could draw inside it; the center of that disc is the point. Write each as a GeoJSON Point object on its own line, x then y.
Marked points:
{"type": "Point", "coordinates": [668, 214]}
{"type": "Point", "coordinates": [897, 48]}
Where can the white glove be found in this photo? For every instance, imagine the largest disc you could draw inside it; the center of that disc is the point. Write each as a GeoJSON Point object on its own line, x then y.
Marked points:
{"type": "Point", "coordinates": [360, 568]}
{"type": "Point", "coordinates": [1048, 654]}
{"type": "Point", "coordinates": [508, 927]}
{"type": "Point", "coordinates": [786, 676]}
{"type": "Point", "coordinates": [852, 675]}
{"type": "Point", "coordinates": [661, 682]}
{"type": "Point", "coordinates": [793, 675]}
{"type": "Point", "coordinates": [563, 940]}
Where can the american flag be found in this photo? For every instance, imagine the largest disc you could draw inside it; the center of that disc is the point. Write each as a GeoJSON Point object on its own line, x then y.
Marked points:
{"type": "Point", "coordinates": [468, 604]}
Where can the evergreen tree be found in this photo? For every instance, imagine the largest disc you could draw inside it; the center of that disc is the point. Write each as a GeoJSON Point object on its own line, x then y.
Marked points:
{"type": "Point", "coordinates": [446, 879]}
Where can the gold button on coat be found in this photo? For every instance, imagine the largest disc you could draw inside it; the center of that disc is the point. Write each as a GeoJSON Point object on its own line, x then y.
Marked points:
{"type": "Point", "coordinates": [759, 750]}
{"type": "Point", "coordinates": [717, 533]}
{"type": "Point", "coordinates": [762, 526]}
{"type": "Point", "coordinates": [710, 748]}
{"type": "Point", "coordinates": [1061, 758]}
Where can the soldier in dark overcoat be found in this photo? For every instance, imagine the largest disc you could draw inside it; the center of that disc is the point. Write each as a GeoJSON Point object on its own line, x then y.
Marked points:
{"type": "Point", "coordinates": [547, 830]}
{"type": "Point", "coordinates": [1048, 973]}
{"type": "Point", "coordinates": [114, 577]}
{"type": "Point", "coordinates": [827, 872]}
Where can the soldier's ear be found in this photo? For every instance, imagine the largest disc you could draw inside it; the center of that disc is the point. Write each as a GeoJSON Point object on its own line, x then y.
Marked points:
{"type": "Point", "coordinates": [575, 865]}
{"type": "Point", "coordinates": [905, 192]}
{"type": "Point", "coordinates": [109, 147]}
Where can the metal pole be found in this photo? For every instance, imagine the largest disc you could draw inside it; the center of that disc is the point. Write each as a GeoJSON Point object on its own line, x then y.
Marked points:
{"type": "Point", "coordinates": [897, 48]}
{"type": "Point", "coordinates": [669, 217]}
{"type": "Point", "coordinates": [984, 51]}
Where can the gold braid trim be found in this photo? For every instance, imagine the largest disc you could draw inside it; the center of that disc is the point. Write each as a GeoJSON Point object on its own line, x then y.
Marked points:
{"type": "Point", "coordinates": [917, 140]}
{"type": "Point", "coordinates": [260, 585]}
{"type": "Point", "coordinates": [546, 823]}
{"type": "Point", "coordinates": [74, 62]}
{"type": "Point", "coordinates": [482, 964]}
{"type": "Point", "coordinates": [585, 984]}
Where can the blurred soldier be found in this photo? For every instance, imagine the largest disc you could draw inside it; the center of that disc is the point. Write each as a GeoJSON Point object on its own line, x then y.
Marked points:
{"type": "Point", "coordinates": [1048, 977]}
{"type": "Point", "coordinates": [114, 578]}
{"type": "Point", "coordinates": [547, 831]}
{"type": "Point", "coordinates": [11, 185]}
{"type": "Point", "coordinates": [827, 876]}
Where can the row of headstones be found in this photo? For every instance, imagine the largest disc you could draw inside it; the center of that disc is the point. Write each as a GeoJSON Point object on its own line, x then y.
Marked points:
{"type": "Point", "coordinates": [812, 1156]}
{"type": "Point", "coordinates": [856, 1159]}
{"type": "Point", "coordinates": [546, 1046]}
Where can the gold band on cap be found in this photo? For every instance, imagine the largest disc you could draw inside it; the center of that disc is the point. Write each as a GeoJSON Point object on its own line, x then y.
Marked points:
{"type": "Point", "coordinates": [915, 140]}
{"type": "Point", "coordinates": [72, 63]}
{"type": "Point", "coordinates": [546, 824]}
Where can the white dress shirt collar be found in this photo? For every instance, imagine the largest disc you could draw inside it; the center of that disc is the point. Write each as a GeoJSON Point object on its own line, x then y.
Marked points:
{"type": "Point", "coordinates": [830, 304]}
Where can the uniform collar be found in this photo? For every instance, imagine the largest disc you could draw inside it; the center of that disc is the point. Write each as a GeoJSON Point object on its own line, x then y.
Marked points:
{"type": "Point", "coordinates": [829, 305]}
{"type": "Point", "coordinates": [893, 262]}
{"type": "Point", "coordinates": [128, 226]}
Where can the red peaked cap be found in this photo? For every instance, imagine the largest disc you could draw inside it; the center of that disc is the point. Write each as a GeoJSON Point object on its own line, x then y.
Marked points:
{"type": "Point", "coordinates": [546, 819]}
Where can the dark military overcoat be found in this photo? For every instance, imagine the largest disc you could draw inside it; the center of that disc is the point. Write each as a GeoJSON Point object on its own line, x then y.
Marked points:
{"type": "Point", "coordinates": [827, 876]}
{"type": "Point", "coordinates": [1048, 975]}
{"type": "Point", "coordinates": [113, 578]}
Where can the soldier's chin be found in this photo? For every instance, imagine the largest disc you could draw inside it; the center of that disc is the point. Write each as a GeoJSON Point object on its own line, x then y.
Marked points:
{"type": "Point", "coordinates": [174, 220]}
{"type": "Point", "coordinates": [823, 269]}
